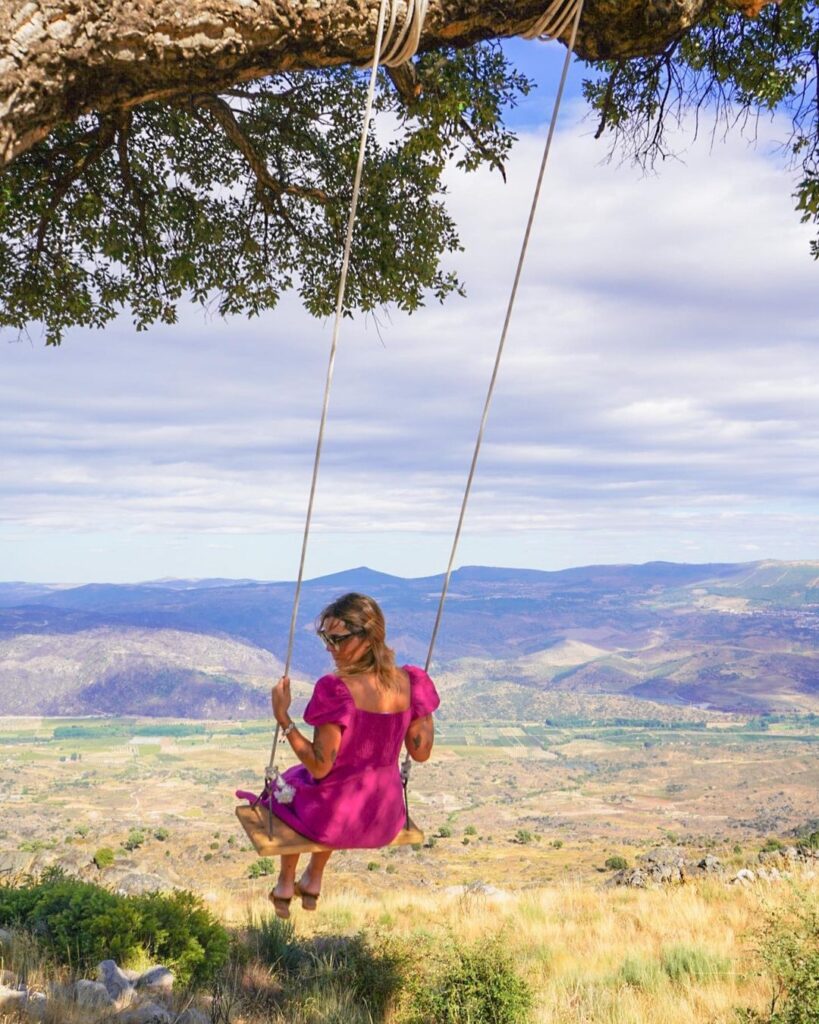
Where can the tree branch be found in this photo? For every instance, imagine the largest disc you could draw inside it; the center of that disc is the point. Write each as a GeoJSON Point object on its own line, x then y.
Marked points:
{"type": "Point", "coordinates": [94, 143]}
{"type": "Point", "coordinates": [223, 114]}
{"type": "Point", "coordinates": [60, 59]}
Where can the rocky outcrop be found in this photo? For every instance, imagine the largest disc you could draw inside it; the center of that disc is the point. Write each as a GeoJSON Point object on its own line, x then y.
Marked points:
{"type": "Point", "coordinates": [669, 865]}
{"type": "Point", "coordinates": [122, 997]}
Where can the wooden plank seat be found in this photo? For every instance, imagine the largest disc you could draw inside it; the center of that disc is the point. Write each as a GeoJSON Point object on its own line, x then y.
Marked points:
{"type": "Point", "coordinates": [272, 842]}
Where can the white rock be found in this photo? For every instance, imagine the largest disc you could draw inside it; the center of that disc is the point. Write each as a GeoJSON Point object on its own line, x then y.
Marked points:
{"type": "Point", "coordinates": [745, 875]}
{"type": "Point", "coordinates": [116, 982]}
{"type": "Point", "coordinates": [12, 999]}
{"type": "Point", "coordinates": [146, 1013]}
{"type": "Point", "coordinates": [37, 1005]}
{"type": "Point", "coordinates": [156, 979]}
{"type": "Point", "coordinates": [92, 993]}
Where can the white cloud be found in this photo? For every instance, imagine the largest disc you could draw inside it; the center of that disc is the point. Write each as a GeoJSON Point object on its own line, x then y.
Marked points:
{"type": "Point", "coordinates": [658, 395]}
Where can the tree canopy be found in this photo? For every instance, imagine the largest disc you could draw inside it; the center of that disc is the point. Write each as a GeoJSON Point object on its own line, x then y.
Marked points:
{"type": "Point", "coordinates": [231, 184]}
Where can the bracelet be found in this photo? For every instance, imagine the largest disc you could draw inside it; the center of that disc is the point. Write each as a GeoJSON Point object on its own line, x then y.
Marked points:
{"type": "Point", "coordinates": [286, 732]}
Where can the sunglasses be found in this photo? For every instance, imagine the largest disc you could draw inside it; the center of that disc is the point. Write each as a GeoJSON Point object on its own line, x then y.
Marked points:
{"type": "Point", "coordinates": [335, 640]}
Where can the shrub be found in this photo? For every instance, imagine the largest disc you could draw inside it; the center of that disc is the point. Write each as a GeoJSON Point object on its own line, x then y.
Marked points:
{"type": "Point", "coordinates": [161, 834]}
{"type": "Point", "coordinates": [136, 837]}
{"type": "Point", "coordinates": [276, 943]}
{"type": "Point", "coordinates": [182, 933]}
{"type": "Point", "coordinates": [616, 863]}
{"type": "Point", "coordinates": [681, 963]}
{"type": "Point", "coordinates": [373, 865]}
{"type": "Point", "coordinates": [80, 924]}
{"type": "Point", "coordinates": [467, 985]}
{"type": "Point", "coordinates": [104, 857]}
{"type": "Point", "coordinates": [557, 843]}
{"type": "Point", "coordinates": [470, 830]}
{"type": "Point", "coordinates": [262, 866]}
{"type": "Point", "coordinates": [771, 845]}
{"type": "Point", "coordinates": [789, 951]}
{"type": "Point", "coordinates": [444, 832]}
{"type": "Point", "coordinates": [523, 836]}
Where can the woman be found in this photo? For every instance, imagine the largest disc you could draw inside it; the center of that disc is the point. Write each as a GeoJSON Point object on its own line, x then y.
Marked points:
{"type": "Point", "coordinates": [347, 791]}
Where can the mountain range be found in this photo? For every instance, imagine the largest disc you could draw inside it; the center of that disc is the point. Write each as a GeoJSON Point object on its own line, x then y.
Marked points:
{"type": "Point", "coordinates": [730, 637]}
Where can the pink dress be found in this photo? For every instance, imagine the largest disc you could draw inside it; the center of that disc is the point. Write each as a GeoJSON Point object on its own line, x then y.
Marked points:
{"type": "Point", "coordinates": [360, 803]}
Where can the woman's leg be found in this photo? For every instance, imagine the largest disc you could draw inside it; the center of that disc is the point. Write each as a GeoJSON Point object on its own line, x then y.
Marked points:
{"type": "Point", "coordinates": [310, 881]}
{"type": "Point", "coordinates": [287, 875]}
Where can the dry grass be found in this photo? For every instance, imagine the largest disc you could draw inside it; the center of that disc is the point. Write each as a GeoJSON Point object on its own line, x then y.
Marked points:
{"type": "Point", "coordinates": [676, 956]}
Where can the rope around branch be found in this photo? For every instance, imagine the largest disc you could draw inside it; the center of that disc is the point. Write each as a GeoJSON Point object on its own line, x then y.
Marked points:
{"type": "Point", "coordinates": [554, 21]}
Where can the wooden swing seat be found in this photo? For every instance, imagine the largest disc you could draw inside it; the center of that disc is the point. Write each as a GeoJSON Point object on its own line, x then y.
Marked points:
{"type": "Point", "coordinates": [280, 838]}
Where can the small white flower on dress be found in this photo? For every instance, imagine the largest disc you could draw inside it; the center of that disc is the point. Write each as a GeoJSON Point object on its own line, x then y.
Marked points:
{"type": "Point", "coordinates": [284, 791]}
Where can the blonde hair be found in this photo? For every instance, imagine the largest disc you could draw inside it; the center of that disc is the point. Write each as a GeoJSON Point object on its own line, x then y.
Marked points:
{"type": "Point", "coordinates": [363, 617]}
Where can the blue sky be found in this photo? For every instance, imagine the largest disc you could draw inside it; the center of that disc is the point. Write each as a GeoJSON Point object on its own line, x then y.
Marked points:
{"type": "Point", "coordinates": [659, 396]}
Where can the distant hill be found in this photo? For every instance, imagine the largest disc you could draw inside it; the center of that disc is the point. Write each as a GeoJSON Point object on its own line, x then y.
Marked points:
{"type": "Point", "coordinates": [733, 637]}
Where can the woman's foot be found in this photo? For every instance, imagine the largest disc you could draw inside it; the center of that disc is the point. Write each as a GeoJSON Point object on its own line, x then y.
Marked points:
{"type": "Point", "coordinates": [308, 896]}
{"type": "Point", "coordinates": [280, 901]}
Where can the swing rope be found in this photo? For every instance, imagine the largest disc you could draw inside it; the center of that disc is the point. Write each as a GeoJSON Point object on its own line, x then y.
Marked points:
{"type": "Point", "coordinates": [554, 20]}
{"type": "Point", "coordinates": [399, 50]}
{"type": "Point", "coordinates": [577, 11]}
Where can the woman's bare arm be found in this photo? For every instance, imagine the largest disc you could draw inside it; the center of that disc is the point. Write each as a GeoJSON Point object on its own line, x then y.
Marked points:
{"type": "Point", "coordinates": [318, 756]}
{"type": "Point", "coordinates": [420, 737]}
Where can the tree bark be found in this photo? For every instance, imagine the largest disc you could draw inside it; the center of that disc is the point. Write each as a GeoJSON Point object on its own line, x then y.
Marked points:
{"type": "Point", "coordinates": [63, 58]}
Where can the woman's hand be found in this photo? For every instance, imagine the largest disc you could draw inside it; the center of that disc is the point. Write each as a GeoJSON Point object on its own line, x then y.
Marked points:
{"type": "Point", "coordinates": [280, 697]}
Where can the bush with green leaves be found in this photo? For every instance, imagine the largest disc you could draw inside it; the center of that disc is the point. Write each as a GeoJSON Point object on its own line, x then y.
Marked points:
{"type": "Point", "coordinates": [616, 863]}
{"type": "Point", "coordinates": [136, 837]}
{"type": "Point", "coordinates": [104, 857]}
{"type": "Point", "coordinates": [80, 924]}
{"type": "Point", "coordinates": [789, 952]}
{"type": "Point", "coordinates": [183, 932]}
{"type": "Point", "coordinates": [261, 868]}
{"type": "Point", "coordinates": [457, 984]}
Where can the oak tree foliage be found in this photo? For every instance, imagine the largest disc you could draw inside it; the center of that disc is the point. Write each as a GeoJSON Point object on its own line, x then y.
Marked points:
{"type": "Point", "coordinates": [237, 197]}
{"type": "Point", "coordinates": [722, 76]}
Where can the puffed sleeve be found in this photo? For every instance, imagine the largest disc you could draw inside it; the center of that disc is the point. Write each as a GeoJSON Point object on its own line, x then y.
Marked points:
{"type": "Point", "coordinates": [424, 699]}
{"type": "Point", "coordinates": [331, 702]}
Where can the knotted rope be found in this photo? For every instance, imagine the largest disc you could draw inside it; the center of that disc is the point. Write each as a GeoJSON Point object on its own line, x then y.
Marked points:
{"type": "Point", "coordinates": [577, 10]}
{"type": "Point", "coordinates": [396, 51]}
{"type": "Point", "coordinates": [554, 21]}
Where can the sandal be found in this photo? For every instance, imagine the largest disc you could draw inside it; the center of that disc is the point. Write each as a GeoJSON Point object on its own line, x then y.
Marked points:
{"type": "Point", "coordinates": [309, 900]}
{"type": "Point", "coordinates": [281, 904]}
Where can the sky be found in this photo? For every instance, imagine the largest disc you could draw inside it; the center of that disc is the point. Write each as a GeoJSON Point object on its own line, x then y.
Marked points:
{"type": "Point", "coordinates": [659, 396]}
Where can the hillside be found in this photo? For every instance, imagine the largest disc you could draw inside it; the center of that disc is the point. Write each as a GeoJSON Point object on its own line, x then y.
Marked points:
{"type": "Point", "coordinates": [731, 637]}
